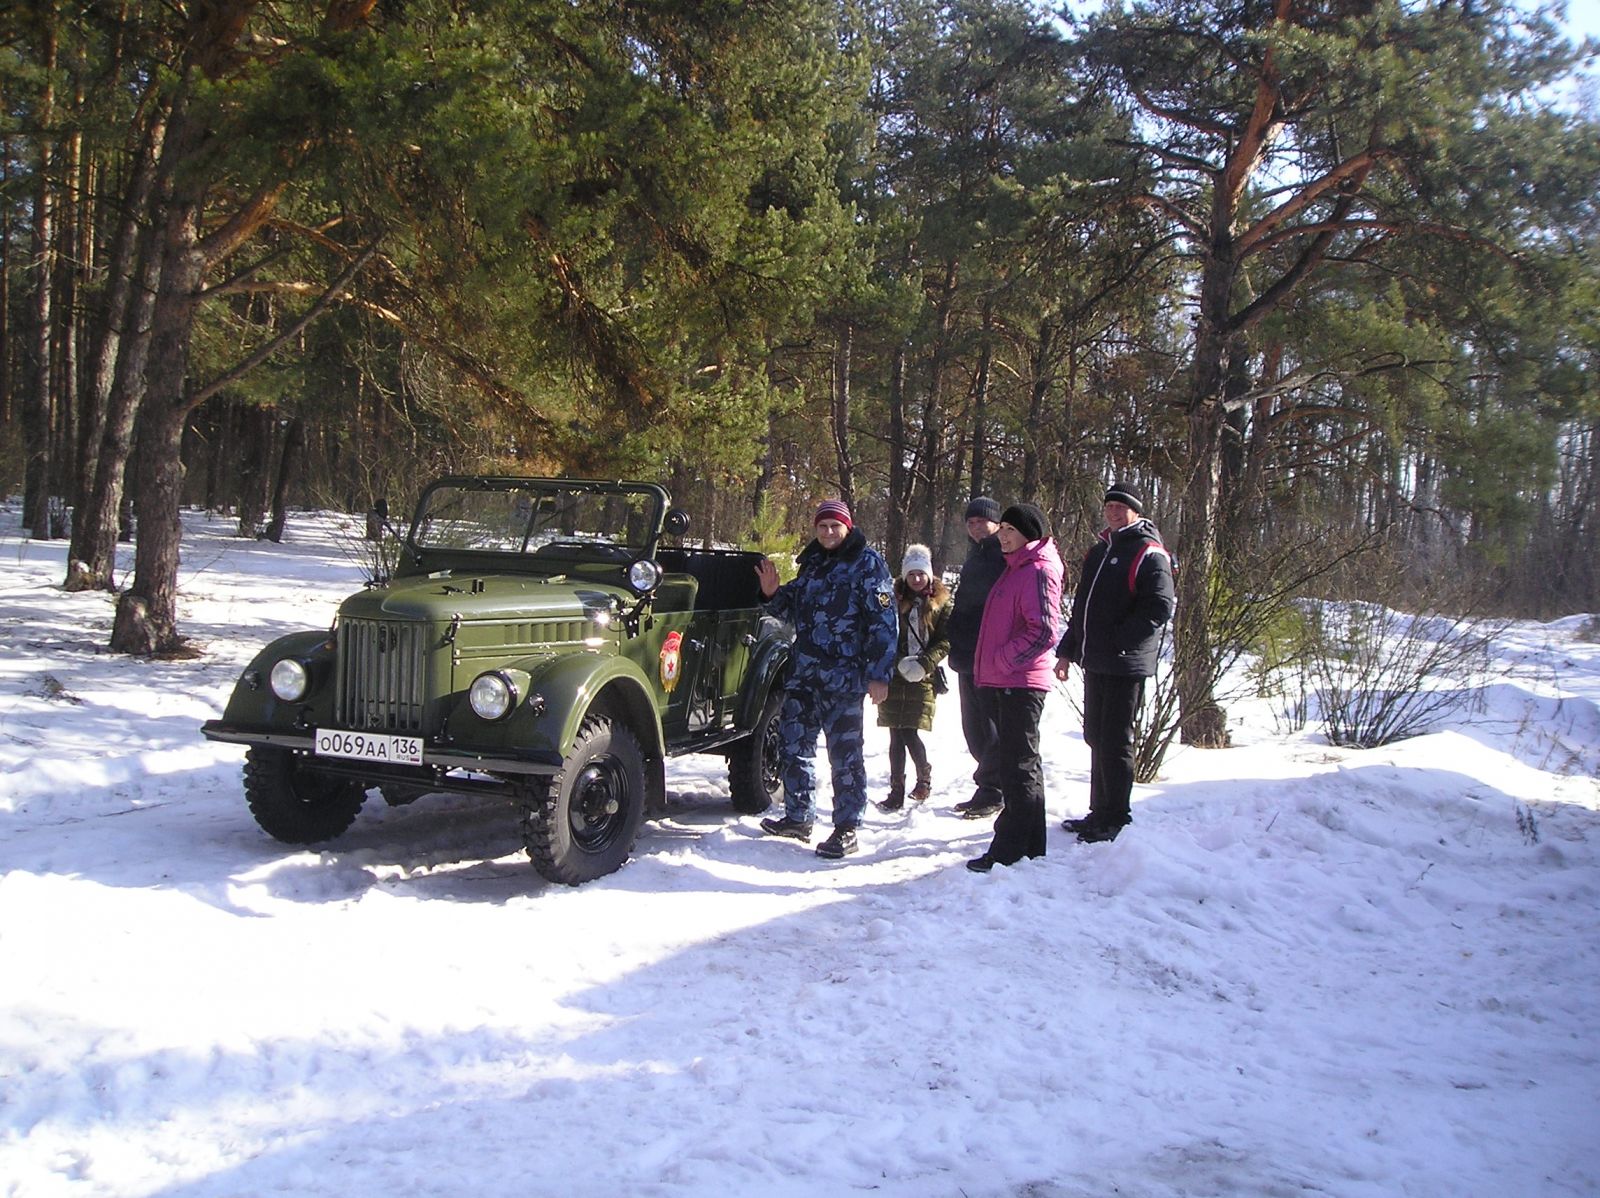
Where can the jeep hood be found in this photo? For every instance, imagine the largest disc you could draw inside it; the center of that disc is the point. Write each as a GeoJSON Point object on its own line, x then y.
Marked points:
{"type": "Point", "coordinates": [484, 597]}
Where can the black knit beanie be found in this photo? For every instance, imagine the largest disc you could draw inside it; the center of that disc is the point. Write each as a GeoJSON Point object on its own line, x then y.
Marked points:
{"type": "Point", "coordinates": [985, 507]}
{"type": "Point", "coordinates": [1126, 494]}
{"type": "Point", "coordinates": [1026, 519]}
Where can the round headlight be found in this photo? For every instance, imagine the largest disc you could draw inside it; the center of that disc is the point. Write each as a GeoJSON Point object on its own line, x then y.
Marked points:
{"type": "Point", "coordinates": [644, 575]}
{"type": "Point", "coordinates": [491, 696]}
{"type": "Point", "coordinates": [289, 680]}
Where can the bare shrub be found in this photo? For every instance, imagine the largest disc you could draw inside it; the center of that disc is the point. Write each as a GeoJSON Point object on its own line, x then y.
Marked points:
{"type": "Point", "coordinates": [372, 545]}
{"type": "Point", "coordinates": [1385, 675]}
{"type": "Point", "coordinates": [1252, 611]}
{"type": "Point", "coordinates": [1388, 667]}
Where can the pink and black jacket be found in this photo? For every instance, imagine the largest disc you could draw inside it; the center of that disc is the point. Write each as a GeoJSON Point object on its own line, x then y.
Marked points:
{"type": "Point", "coordinates": [1021, 619]}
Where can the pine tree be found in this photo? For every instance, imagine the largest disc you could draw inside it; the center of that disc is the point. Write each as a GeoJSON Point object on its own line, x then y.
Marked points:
{"type": "Point", "coordinates": [1292, 142]}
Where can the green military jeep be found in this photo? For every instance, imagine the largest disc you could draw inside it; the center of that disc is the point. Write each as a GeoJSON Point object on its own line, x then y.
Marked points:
{"type": "Point", "coordinates": [537, 641]}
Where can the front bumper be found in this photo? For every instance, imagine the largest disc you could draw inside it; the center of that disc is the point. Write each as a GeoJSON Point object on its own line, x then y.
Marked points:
{"type": "Point", "coordinates": [437, 763]}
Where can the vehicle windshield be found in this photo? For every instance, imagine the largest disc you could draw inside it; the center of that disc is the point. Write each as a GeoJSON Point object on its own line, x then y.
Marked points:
{"type": "Point", "coordinates": [546, 517]}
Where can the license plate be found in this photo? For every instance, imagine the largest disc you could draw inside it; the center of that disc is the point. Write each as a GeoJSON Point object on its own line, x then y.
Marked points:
{"type": "Point", "coordinates": [369, 746]}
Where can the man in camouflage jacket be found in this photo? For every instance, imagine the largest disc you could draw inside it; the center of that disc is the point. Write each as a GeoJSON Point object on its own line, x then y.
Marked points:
{"type": "Point", "coordinates": [841, 605]}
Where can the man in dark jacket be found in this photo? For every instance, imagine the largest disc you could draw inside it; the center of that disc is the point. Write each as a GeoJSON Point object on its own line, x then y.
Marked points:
{"type": "Point", "coordinates": [1124, 598]}
{"type": "Point", "coordinates": [984, 564]}
{"type": "Point", "coordinates": [841, 604]}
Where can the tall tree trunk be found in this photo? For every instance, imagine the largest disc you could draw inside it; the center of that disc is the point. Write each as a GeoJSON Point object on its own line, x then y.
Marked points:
{"type": "Point", "coordinates": [980, 396]}
{"type": "Point", "coordinates": [899, 482]}
{"type": "Point", "coordinates": [843, 457]}
{"type": "Point", "coordinates": [209, 427]}
{"type": "Point", "coordinates": [1038, 391]}
{"type": "Point", "coordinates": [1201, 721]}
{"type": "Point", "coordinates": [1256, 444]}
{"type": "Point", "coordinates": [147, 613]}
{"type": "Point", "coordinates": [1238, 530]}
{"type": "Point", "coordinates": [38, 403]}
{"type": "Point", "coordinates": [924, 491]}
{"type": "Point", "coordinates": [1064, 486]}
{"type": "Point", "coordinates": [294, 440]}
{"type": "Point", "coordinates": [117, 376]}
{"type": "Point", "coordinates": [6, 152]}
{"type": "Point", "coordinates": [78, 258]}
{"type": "Point", "coordinates": [1570, 582]}
{"type": "Point", "coordinates": [980, 427]}
{"type": "Point", "coordinates": [257, 426]}
{"type": "Point", "coordinates": [950, 531]}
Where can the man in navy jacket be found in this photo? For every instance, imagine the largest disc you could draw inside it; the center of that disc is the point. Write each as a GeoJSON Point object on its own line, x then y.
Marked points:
{"type": "Point", "coordinates": [982, 569]}
{"type": "Point", "coordinates": [1123, 600]}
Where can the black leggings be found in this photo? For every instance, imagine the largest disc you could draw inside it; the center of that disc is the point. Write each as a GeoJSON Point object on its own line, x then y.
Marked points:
{"type": "Point", "coordinates": [901, 742]}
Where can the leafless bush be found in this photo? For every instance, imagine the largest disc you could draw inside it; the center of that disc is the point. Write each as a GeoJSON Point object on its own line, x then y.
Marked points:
{"type": "Point", "coordinates": [1384, 675]}
{"type": "Point", "coordinates": [1389, 664]}
{"type": "Point", "coordinates": [373, 546]}
{"type": "Point", "coordinates": [1252, 603]}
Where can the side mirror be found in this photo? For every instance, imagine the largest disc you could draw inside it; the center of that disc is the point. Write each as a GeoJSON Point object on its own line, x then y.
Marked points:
{"type": "Point", "coordinates": [677, 522]}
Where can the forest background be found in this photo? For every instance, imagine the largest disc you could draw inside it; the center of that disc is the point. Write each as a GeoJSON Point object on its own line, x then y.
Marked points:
{"type": "Point", "coordinates": [1322, 278]}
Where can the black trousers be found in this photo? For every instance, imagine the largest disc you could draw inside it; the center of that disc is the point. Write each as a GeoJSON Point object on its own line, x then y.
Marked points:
{"type": "Point", "coordinates": [1110, 703]}
{"type": "Point", "coordinates": [978, 726]}
{"type": "Point", "coordinates": [1013, 759]}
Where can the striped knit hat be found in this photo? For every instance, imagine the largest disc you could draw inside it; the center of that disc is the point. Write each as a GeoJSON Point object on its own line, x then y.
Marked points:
{"type": "Point", "coordinates": [833, 509]}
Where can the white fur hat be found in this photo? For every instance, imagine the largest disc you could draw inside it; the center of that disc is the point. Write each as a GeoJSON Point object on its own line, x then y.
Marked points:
{"type": "Point", "coordinates": [918, 557]}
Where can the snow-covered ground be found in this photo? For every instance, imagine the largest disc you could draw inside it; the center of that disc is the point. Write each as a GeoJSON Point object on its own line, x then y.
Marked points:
{"type": "Point", "coordinates": [1302, 970]}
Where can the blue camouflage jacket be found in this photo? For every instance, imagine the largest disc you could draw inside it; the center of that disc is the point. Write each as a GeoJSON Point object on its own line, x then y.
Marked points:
{"type": "Point", "coordinates": [841, 605]}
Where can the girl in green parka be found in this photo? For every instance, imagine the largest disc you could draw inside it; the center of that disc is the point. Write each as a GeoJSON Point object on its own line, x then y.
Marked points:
{"type": "Point", "coordinates": [924, 606]}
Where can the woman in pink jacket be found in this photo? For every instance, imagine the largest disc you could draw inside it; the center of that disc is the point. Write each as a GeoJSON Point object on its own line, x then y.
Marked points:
{"type": "Point", "coordinates": [1015, 660]}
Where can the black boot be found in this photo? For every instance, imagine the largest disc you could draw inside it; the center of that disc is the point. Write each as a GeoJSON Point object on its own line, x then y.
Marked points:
{"type": "Point", "coordinates": [897, 795]}
{"type": "Point", "coordinates": [983, 803]}
{"type": "Point", "coordinates": [792, 828]}
{"type": "Point", "coordinates": [841, 844]}
{"type": "Point", "coordinates": [1098, 833]}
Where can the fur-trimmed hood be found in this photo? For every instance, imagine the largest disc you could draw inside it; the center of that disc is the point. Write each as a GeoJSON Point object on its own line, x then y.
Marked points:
{"type": "Point", "coordinates": [934, 600]}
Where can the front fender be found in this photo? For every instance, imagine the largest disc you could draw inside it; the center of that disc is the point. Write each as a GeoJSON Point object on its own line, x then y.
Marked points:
{"type": "Point", "coordinates": [562, 692]}
{"type": "Point", "coordinates": [252, 703]}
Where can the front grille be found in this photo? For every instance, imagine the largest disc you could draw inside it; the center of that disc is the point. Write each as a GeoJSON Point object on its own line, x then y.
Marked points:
{"type": "Point", "coordinates": [381, 675]}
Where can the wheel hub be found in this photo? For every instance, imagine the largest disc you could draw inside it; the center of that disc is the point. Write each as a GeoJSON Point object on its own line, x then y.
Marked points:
{"type": "Point", "coordinates": [596, 802]}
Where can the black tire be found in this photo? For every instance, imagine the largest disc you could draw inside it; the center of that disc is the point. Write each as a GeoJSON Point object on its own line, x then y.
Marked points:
{"type": "Point", "coordinates": [296, 805]}
{"type": "Point", "coordinates": [753, 778]}
{"type": "Point", "coordinates": [584, 824]}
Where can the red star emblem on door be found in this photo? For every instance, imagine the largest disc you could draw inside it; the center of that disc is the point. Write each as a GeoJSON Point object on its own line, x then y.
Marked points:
{"type": "Point", "coordinates": [671, 660]}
